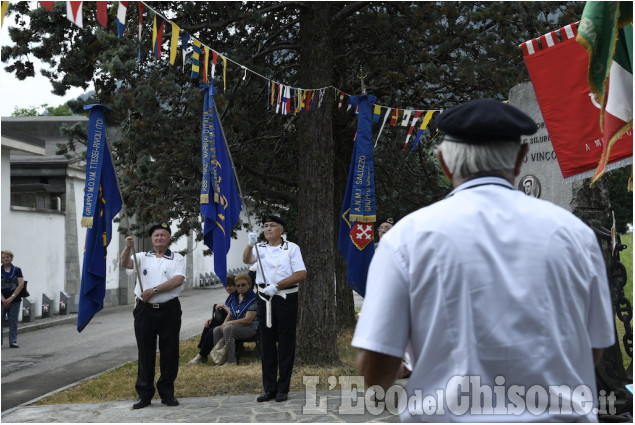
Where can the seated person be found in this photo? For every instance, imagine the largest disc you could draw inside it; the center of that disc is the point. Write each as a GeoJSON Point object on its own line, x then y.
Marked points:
{"type": "Point", "coordinates": [206, 343]}
{"type": "Point", "coordinates": [241, 323]}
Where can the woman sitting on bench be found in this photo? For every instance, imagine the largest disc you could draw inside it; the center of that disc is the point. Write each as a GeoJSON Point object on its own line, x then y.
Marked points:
{"type": "Point", "coordinates": [241, 323]}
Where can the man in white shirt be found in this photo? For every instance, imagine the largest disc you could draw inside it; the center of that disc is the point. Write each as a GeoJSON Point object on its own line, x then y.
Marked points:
{"type": "Point", "coordinates": [280, 271]}
{"type": "Point", "coordinates": [503, 297]}
{"type": "Point", "coordinates": [157, 314]}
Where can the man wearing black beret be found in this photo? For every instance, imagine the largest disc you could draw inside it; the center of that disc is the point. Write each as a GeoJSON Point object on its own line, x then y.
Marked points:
{"type": "Point", "coordinates": [157, 313]}
{"type": "Point", "coordinates": [280, 270]}
{"type": "Point", "coordinates": [495, 292]}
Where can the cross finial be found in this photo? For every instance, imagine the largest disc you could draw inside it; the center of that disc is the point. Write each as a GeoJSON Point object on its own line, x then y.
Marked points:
{"type": "Point", "coordinates": [361, 76]}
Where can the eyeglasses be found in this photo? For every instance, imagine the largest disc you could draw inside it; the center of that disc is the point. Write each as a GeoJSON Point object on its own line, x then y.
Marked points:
{"type": "Point", "coordinates": [384, 228]}
{"type": "Point", "coordinates": [241, 285]}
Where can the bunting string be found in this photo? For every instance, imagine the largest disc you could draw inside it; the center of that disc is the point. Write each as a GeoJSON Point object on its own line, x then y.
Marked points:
{"type": "Point", "coordinates": [287, 100]}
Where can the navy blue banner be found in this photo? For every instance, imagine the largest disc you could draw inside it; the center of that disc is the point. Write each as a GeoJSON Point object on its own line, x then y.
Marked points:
{"type": "Point", "coordinates": [222, 210]}
{"type": "Point", "coordinates": [356, 235]}
{"type": "Point", "coordinates": [107, 203]}
{"type": "Point", "coordinates": [95, 149]}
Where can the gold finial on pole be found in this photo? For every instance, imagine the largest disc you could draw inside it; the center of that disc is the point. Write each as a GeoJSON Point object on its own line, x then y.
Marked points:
{"type": "Point", "coordinates": [361, 76]}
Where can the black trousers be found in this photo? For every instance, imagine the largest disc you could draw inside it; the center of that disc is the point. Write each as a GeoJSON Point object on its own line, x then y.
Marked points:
{"type": "Point", "coordinates": [165, 324]}
{"type": "Point", "coordinates": [277, 360]}
{"type": "Point", "coordinates": [207, 341]}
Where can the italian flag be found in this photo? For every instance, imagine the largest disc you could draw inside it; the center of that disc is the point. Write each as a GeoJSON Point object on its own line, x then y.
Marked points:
{"type": "Point", "coordinates": [606, 32]}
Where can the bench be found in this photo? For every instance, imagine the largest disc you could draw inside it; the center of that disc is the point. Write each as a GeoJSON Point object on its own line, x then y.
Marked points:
{"type": "Point", "coordinates": [241, 350]}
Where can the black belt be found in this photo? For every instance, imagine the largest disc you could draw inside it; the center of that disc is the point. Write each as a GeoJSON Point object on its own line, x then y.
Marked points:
{"type": "Point", "coordinates": [155, 305]}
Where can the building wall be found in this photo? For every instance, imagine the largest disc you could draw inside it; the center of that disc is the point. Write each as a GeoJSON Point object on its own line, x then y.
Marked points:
{"type": "Point", "coordinates": [49, 245]}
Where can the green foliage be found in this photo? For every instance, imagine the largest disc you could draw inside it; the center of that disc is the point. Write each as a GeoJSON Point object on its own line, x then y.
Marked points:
{"type": "Point", "coordinates": [621, 198]}
{"type": "Point", "coordinates": [420, 55]}
{"type": "Point", "coordinates": [34, 111]}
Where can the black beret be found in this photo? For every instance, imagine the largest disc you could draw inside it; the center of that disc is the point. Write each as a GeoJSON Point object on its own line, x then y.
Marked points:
{"type": "Point", "coordinates": [274, 218]}
{"type": "Point", "coordinates": [163, 226]}
{"type": "Point", "coordinates": [484, 120]}
{"type": "Point", "coordinates": [389, 220]}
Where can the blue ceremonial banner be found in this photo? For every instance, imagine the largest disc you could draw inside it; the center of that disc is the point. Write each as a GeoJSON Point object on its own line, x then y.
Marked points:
{"type": "Point", "coordinates": [106, 203]}
{"type": "Point", "coordinates": [220, 200]}
{"type": "Point", "coordinates": [356, 236]}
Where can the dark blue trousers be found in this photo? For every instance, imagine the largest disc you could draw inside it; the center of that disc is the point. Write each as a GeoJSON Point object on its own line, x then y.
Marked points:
{"type": "Point", "coordinates": [163, 324]}
{"type": "Point", "coordinates": [278, 342]}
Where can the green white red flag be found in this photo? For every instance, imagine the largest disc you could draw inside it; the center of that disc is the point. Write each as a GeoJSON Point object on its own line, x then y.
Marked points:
{"type": "Point", "coordinates": [606, 32]}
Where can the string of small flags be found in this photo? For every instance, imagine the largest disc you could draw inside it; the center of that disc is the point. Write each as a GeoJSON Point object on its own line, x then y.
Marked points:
{"type": "Point", "coordinates": [281, 98]}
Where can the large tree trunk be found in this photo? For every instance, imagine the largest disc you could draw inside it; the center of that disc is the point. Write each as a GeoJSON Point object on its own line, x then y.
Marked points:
{"type": "Point", "coordinates": [316, 323]}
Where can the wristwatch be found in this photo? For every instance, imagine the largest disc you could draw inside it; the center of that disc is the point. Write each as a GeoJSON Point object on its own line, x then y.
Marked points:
{"type": "Point", "coordinates": [156, 290]}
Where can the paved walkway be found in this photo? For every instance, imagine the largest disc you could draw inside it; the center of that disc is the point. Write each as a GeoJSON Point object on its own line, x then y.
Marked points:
{"type": "Point", "coordinates": [322, 406]}
{"type": "Point", "coordinates": [235, 409]}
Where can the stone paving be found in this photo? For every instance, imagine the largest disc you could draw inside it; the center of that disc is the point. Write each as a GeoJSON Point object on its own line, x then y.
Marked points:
{"type": "Point", "coordinates": [326, 406]}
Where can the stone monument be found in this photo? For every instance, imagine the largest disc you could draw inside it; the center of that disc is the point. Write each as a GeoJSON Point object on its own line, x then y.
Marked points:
{"type": "Point", "coordinates": [540, 175]}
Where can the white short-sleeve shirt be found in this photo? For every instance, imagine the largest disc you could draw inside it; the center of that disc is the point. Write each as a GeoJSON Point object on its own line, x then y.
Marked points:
{"type": "Point", "coordinates": [494, 285]}
{"type": "Point", "coordinates": [279, 262]}
{"type": "Point", "coordinates": [154, 271]}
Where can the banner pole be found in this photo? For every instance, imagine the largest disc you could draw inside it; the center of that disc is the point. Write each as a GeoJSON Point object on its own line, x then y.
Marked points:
{"type": "Point", "coordinates": [240, 192]}
{"type": "Point", "coordinates": [124, 213]}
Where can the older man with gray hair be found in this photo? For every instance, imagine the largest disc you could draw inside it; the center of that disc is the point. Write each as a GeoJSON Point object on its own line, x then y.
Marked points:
{"type": "Point", "coordinates": [502, 298]}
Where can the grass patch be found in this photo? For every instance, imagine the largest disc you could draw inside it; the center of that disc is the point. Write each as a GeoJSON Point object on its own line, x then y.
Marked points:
{"type": "Point", "coordinates": [203, 380]}
{"type": "Point", "coordinates": [626, 258]}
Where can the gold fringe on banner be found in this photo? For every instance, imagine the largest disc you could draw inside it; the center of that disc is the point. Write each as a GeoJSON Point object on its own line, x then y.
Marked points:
{"type": "Point", "coordinates": [363, 218]}
{"type": "Point", "coordinates": [87, 222]}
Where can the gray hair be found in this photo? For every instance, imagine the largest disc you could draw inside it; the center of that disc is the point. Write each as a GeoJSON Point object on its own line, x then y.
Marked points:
{"type": "Point", "coordinates": [464, 160]}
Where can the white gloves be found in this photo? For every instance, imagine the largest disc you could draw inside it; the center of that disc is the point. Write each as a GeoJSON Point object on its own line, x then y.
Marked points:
{"type": "Point", "coordinates": [270, 290]}
{"type": "Point", "coordinates": [253, 238]}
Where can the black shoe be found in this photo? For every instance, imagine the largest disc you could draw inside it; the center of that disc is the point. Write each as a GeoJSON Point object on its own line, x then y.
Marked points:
{"type": "Point", "coordinates": [282, 397]}
{"type": "Point", "coordinates": [170, 401]}
{"type": "Point", "coordinates": [266, 397]}
{"type": "Point", "coordinates": [141, 403]}
{"type": "Point", "coordinates": [14, 346]}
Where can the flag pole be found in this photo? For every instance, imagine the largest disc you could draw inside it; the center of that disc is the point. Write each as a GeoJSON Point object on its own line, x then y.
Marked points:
{"type": "Point", "coordinates": [124, 213]}
{"type": "Point", "coordinates": [240, 192]}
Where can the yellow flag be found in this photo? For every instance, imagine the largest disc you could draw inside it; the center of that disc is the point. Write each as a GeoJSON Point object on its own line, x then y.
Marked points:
{"type": "Point", "coordinates": [5, 6]}
{"type": "Point", "coordinates": [174, 41]}
{"type": "Point", "coordinates": [224, 73]}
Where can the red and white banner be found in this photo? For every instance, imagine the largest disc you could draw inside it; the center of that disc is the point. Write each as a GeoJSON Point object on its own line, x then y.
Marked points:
{"type": "Point", "coordinates": [557, 65]}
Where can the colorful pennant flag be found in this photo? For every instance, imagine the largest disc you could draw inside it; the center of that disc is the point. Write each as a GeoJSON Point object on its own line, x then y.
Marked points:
{"type": "Point", "coordinates": [45, 4]}
{"type": "Point", "coordinates": [102, 13]}
{"type": "Point", "coordinates": [376, 113]}
{"type": "Point", "coordinates": [196, 55]}
{"type": "Point", "coordinates": [416, 116]}
{"type": "Point", "coordinates": [157, 36]}
{"type": "Point", "coordinates": [121, 18]}
{"type": "Point", "coordinates": [5, 7]}
{"type": "Point", "coordinates": [606, 32]}
{"type": "Point", "coordinates": [102, 202]}
{"type": "Point", "coordinates": [205, 63]}
{"type": "Point", "coordinates": [74, 12]}
{"type": "Point", "coordinates": [424, 125]}
{"type": "Point", "coordinates": [141, 8]}
{"type": "Point", "coordinates": [185, 39]}
{"type": "Point", "coordinates": [407, 113]}
{"type": "Point", "coordinates": [174, 42]}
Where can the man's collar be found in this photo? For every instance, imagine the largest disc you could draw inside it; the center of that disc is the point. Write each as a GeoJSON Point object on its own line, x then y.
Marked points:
{"type": "Point", "coordinates": [168, 255]}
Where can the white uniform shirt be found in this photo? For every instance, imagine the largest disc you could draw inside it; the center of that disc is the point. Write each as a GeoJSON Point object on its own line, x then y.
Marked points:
{"type": "Point", "coordinates": [155, 271]}
{"type": "Point", "coordinates": [493, 284]}
{"type": "Point", "coordinates": [279, 262]}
